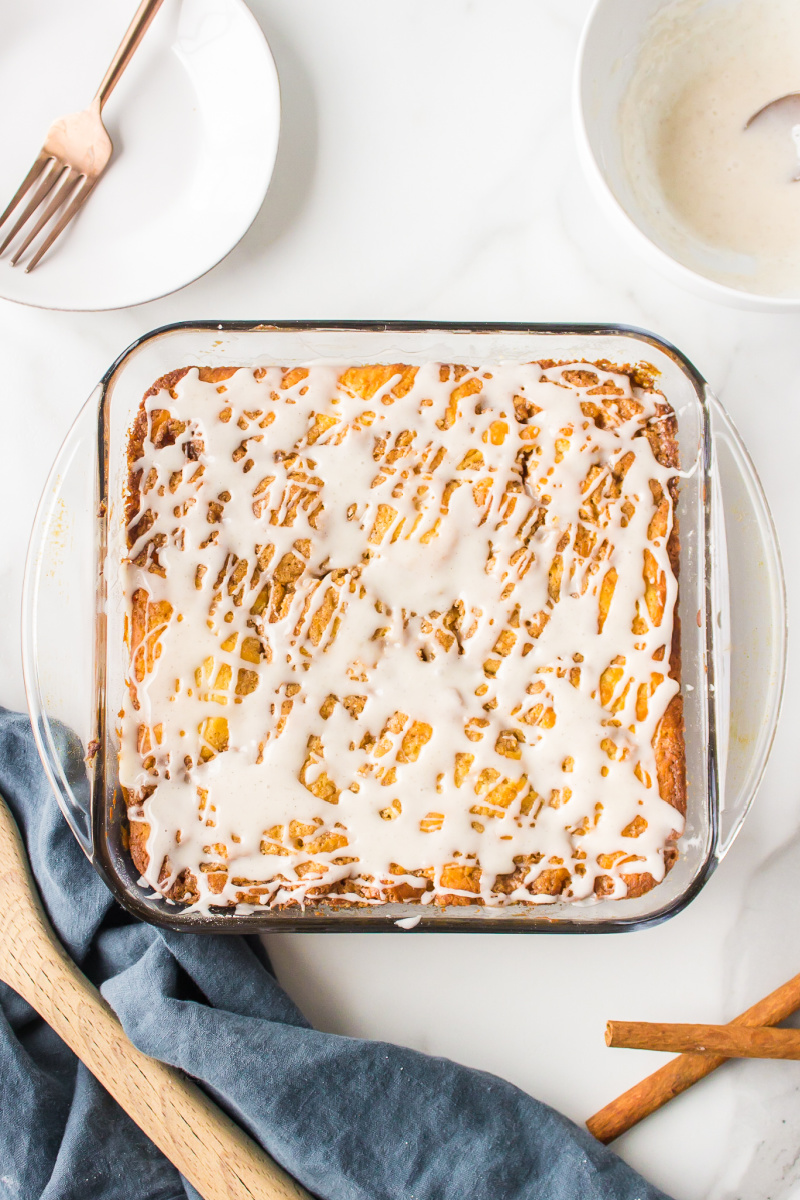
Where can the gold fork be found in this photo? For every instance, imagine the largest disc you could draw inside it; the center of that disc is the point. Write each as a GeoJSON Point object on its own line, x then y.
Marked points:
{"type": "Point", "coordinates": [75, 153]}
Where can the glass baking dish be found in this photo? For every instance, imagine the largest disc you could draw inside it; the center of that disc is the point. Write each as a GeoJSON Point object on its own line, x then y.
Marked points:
{"type": "Point", "coordinates": [733, 639]}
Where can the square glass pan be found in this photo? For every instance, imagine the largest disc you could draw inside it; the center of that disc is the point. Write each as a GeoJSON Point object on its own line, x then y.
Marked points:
{"type": "Point", "coordinates": [92, 800]}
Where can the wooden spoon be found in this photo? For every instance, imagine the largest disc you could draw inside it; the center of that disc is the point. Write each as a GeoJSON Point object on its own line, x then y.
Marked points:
{"type": "Point", "coordinates": [206, 1146]}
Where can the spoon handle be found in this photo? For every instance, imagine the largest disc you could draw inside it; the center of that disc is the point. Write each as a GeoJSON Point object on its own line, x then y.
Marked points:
{"type": "Point", "coordinates": [214, 1154]}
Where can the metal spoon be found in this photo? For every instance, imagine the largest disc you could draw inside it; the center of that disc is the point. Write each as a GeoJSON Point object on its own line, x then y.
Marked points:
{"type": "Point", "coordinates": [791, 99]}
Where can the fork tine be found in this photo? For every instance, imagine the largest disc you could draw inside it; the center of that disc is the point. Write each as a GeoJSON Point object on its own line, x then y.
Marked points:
{"type": "Point", "coordinates": [79, 196]}
{"type": "Point", "coordinates": [33, 174]}
{"type": "Point", "coordinates": [58, 197]}
{"type": "Point", "coordinates": [45, 186]}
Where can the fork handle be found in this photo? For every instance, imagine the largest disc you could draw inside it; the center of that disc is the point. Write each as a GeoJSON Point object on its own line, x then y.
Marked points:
{"type": "Point", "coordinates": [215, 1155]}
{"type": "Point", "coordinates": [126, 49]}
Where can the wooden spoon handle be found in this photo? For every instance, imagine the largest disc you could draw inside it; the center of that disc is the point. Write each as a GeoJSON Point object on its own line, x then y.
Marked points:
{"type": "Point", "coordinates": [214, 1154]}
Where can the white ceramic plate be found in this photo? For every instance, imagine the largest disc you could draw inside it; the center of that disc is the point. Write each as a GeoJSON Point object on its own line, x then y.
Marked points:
{"type": "Point", "coordinates": [194, 122]}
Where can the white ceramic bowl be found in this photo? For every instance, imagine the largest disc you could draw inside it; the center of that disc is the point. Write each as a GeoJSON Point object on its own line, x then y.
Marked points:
{"type": "Point", "coordinates": [610, 45]}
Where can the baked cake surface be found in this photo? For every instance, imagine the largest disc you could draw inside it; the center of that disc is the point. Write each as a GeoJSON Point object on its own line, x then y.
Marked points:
{"type": "Point", "coordinates": [401, 633]}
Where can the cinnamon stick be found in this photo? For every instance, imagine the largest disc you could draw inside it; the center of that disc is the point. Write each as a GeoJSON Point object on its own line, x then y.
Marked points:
{"type": "Point", "coordinates": [676, 1076]}
{"type": "Point", "coordinates": [733, 1041]}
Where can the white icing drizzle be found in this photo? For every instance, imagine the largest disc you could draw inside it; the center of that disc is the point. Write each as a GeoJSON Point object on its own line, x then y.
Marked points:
{"type": "Point", "coordinates": [416, 677]}
{"type": "Point", "coordinates": [408, 923]}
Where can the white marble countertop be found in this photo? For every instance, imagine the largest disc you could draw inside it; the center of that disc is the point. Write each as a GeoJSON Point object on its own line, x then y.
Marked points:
{"type": "Point", "coordinates": [427, 170]}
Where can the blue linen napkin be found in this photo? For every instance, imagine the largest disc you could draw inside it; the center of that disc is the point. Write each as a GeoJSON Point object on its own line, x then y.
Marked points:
{"type": "Point", "coordinates": [351, 1119]}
